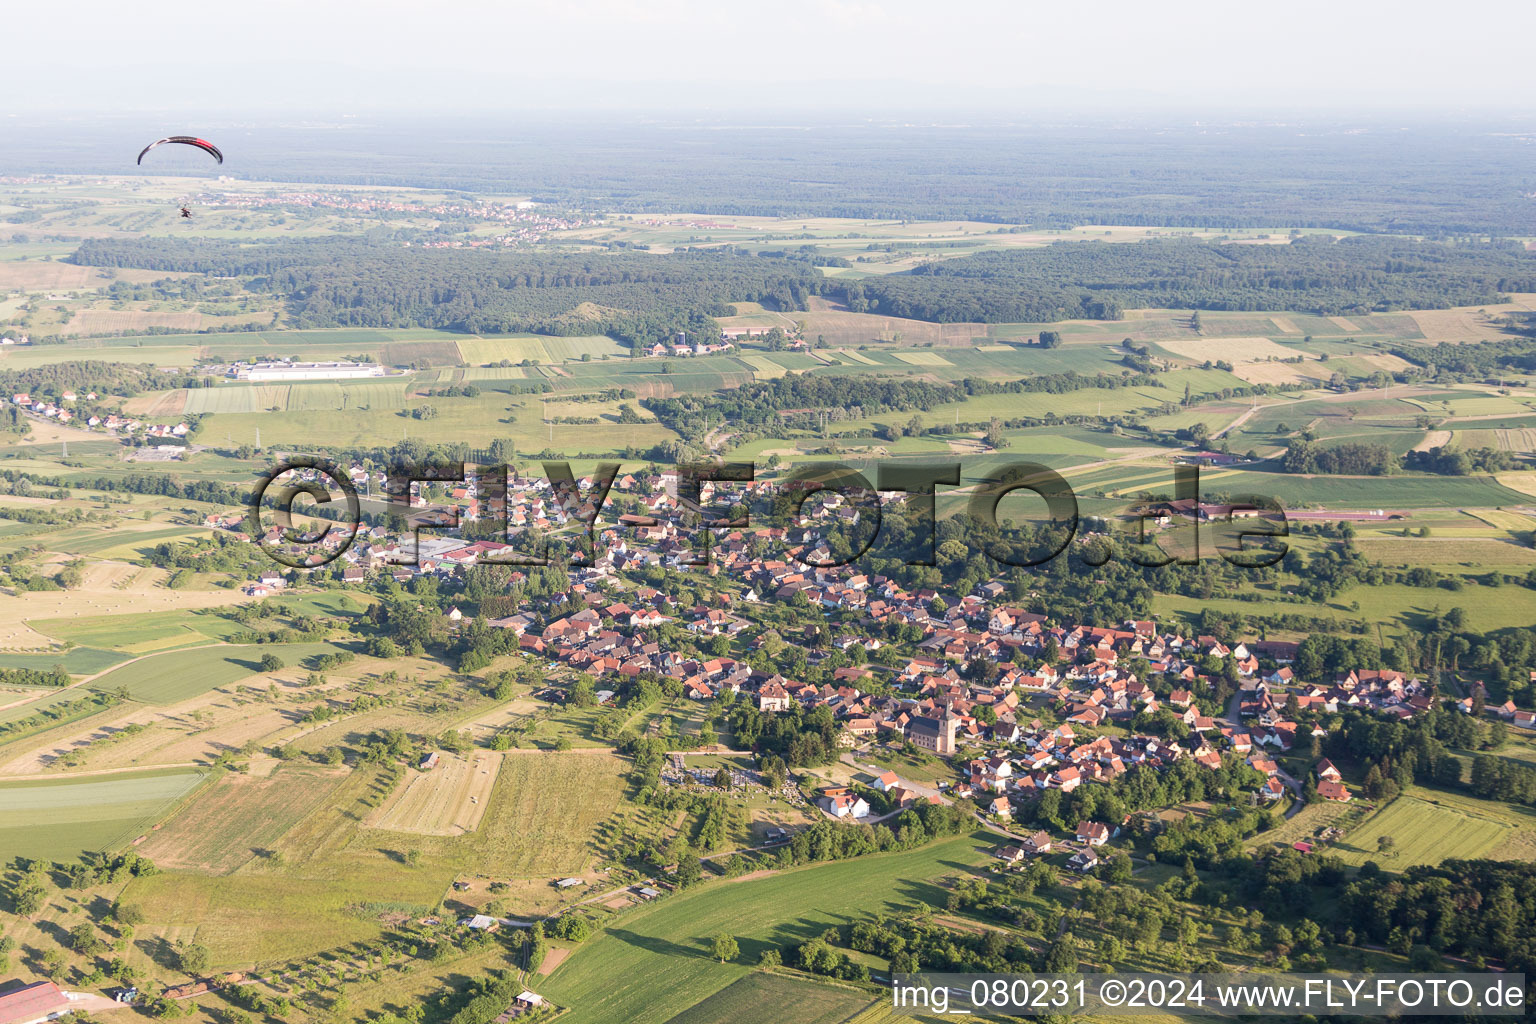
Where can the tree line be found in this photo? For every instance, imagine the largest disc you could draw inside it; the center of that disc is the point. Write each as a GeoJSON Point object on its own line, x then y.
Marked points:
{"type": "Point", "coordinates": [1097, 280]}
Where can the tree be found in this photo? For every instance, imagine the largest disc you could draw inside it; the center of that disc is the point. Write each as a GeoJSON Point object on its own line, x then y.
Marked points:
{"type": "Point", "coordinates": [192, 957]}
{"type": "Point", "coordinates": [1061, 957]}
{"type": "Point", "coordinates": [83, 940]}
{"type": "Point", "coordinates": [723, 777]}
{"type": "Point", "coordinates": [724, 948]}
{"type": "Point", "coordinates": [271, 663]}
{"type": "Point", "coordinates": [127, 914]}
{"type": "Point", "coordinates": [583, 691]}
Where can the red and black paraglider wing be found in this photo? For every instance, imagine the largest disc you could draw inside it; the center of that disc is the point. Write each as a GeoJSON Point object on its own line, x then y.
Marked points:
{"type": "Point", "coordinates": [186, 140]}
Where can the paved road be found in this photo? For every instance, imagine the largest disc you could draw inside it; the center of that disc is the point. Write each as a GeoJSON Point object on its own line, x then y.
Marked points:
{"type": "Point", "coordinates": [1234, 719]}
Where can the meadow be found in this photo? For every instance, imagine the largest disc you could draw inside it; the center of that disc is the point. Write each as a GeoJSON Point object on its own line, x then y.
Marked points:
{"type": "Point", "coordinates": [240, 817]}
{"type": "Point", "coordinates": [476, 421]}
{"type": "Point", "coordinates": [177, 675]}
{"type": "Point", "coordinates": [1396, 607]}
{"type": "Point", "coordinates": [1422, 831]}
{"type": "Point", "coordinates": [79, 661]}
{"type": "Point", "coordinates": [662, 949]}
{"type": "Point", "coordinates": [539, 825]}
{"type": "Point", "coordinates": [161, 630]}
{"type": "Point", "coordinates": [765, 998]}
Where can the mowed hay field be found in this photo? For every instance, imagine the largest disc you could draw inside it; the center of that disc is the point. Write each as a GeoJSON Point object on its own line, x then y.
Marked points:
{"type": "Point", "coordinates": [539, 348]}
{"type": "Point", "coordinates": [104, 321]}
{"type": "Point", "coordinates": [542, 813]}
{"type": "Point", "coordinates": [55, 608]}
{"type": "Point", "coordinates": [239, 817]}
{"type": "Point", "coordinates": [540, 825]}
{"type": "Point", "coordinates": [1423, 832]}
{"type": "Point", "coordinates": [59, 819]}
{"type": "Point", "coordinates": [1256, 359]}
{"type": "Point", "coordinates": [763, 998]}
{"type": "Point", "coordinates": [448, 800]}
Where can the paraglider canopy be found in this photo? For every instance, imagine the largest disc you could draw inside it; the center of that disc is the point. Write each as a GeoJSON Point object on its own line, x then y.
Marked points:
{"type": "Point", "coordinates": [186, 140]}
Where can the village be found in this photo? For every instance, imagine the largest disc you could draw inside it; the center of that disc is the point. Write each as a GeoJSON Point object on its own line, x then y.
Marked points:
{"type": "Point", "coordinates": [1017, 705]}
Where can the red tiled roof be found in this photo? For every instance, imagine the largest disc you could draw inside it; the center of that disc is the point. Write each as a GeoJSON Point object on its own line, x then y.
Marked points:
{"type": "Point", "coordinates": [36, 1000]}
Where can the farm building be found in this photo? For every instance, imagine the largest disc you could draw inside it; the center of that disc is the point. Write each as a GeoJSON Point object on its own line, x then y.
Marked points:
{"type": "Point", "coordinates": [567, 883]}
{"type": "Point", "coordinates": [429, 762]}
{"type": "Point", "coordinates": [481, 923]}
{"type": "Point", "coordinates": [39, 1001]}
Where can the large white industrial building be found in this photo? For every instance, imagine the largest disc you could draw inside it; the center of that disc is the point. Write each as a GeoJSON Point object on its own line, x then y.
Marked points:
{"type": "Point", "coordinates": [305, 371]}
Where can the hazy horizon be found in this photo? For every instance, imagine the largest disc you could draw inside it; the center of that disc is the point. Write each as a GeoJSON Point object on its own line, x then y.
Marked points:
{"type": "Point", "coordinates": [840, 57]}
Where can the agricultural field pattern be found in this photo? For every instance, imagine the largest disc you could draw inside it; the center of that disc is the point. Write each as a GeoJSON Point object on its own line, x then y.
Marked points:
{"type": "Point", "coordinates": [425, 779]}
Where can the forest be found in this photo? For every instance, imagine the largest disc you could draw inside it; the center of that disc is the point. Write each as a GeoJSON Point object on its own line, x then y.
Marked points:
{"type": "Point", "coordinates": [1097, 280]}
{"type": "Point", "coordinates": [639, 297]}
{"type": "Point", "coordinates": [782, 400]}
{"type": "Point", "coordinates": [357, 282]}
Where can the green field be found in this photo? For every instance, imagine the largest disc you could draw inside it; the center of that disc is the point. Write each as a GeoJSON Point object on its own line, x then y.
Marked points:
{"type": "Point", "coordinates": [476, 421]}
{"type": "Point", "coordinates": [41, 700]}
{"type": "Point", "coordinates": [1424, 832]}
{"type": "Point", "coordinates": [60, 818]}
{"type": "Point", "coordinates": [1396, 606]}
{"type": "Point", "coordinates": [79, 661]}
{"type": "Point", "coordinates": [299, 397]}
{"type": "Point", "coordinates": [159, 629]}
{"type": "Point", "coordinates": [178, 675]}
{"type": "Point", "coordinates": [662, 950]}
{"type": "Point", "coordinates": [762, 998]}
{"type": "Point", "coordinates": [128, 545]}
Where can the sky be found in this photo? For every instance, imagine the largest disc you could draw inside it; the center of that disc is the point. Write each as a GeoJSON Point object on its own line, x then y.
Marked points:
{"type": "Point", "coordinates": [881, 57]}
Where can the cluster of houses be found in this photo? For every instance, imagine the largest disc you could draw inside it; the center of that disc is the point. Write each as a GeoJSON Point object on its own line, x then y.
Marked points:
{"type": "Point", "coordinates": [680, 346]}
{"type": "Point", "coordinates": [49, 409]}
{"type": "Point", "coordinates": [1089, 837]}
{"type": "Point", "coordinates": [60, 412]}
{"type": "Point", "coordinates": [1384, 691]}
{"type": "Point", "coordinates": [523, 221]}
{"type": "Point", "coordinates": [930, 699]}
